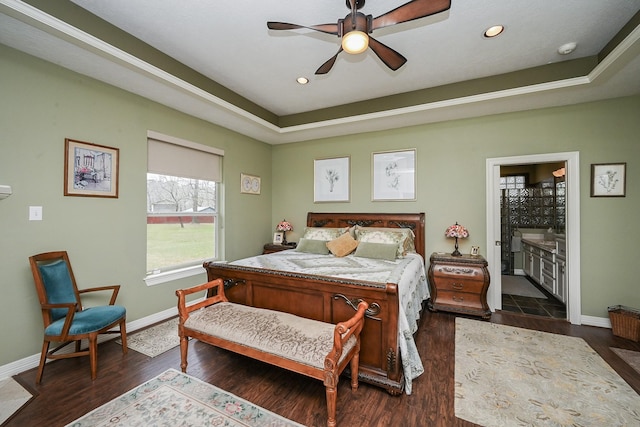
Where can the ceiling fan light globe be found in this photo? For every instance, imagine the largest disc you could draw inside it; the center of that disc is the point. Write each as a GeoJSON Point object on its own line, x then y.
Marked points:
{"type": "Point", "coordinates": [355, 42]}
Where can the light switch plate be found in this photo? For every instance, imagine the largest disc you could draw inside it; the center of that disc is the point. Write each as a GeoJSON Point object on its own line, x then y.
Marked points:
{"type": "Point", "coordinates": [35, 213]}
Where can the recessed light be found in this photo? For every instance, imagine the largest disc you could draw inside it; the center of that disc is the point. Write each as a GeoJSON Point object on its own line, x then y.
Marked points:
{"type": "Point", "coordinates": [302, 80]}
{"type": "Point", "coordinates": [567, 48]}
{"type": "Point", "coordinates": [494, 31]}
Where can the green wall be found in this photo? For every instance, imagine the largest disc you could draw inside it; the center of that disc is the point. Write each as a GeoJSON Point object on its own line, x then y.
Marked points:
{"type": "Point", "coordinates": [451, 160]}
{"type": "Point", "coordinates": [42, 104]}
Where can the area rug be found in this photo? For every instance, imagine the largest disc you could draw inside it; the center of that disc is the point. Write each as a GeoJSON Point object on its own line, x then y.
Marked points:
{"type": "Point", "coordinates": [156, 339]}
{"type": "Point", "coordinates": [506, 376]}
{"type": "Point", "coordinates": [631, 357]}
{"type": "Point", "coordinates": [521, 286]}
{"type": "Point", "coordinates": [176, 399]}
{"type": "Point", "coordinates": [12, 397]}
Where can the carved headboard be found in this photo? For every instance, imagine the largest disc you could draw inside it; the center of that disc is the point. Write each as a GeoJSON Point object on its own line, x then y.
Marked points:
{"type": "Point", "coordinates": [414, 221]}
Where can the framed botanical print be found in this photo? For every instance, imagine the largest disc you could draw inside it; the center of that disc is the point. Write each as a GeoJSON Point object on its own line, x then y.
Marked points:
{"type": "Point", "coordinates": [331, 179]}
{"type": "Point", "coordinates": [394, 175]}
{"type": "Point", "coordinates": [608, 179]}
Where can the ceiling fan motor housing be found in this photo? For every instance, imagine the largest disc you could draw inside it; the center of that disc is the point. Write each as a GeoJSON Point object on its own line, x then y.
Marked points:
{"type": "Point", "coordinates": [360, 22]}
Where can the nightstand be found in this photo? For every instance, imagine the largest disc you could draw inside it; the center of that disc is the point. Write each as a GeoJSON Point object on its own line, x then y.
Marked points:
{"type": "Point", "coordinates": [270, 248]}
{"type": "Point", "coordinates": [459, 284]}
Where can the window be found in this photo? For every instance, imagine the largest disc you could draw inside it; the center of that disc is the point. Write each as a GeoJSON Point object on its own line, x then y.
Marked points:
{"type": "Point", "coordinates": [182, 207]}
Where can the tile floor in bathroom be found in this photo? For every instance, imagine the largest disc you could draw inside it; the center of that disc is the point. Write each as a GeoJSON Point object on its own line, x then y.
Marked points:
{"type": "Point", "coordinates": [549, 307]}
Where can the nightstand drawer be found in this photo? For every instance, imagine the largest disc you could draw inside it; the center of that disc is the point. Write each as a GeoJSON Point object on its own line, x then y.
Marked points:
{"type": "Point", "coordinates": [455, 271]}
{"type": "Point", "coordinates": [455, 284]}
{"type": "Point", "coordinates": [460, 298]}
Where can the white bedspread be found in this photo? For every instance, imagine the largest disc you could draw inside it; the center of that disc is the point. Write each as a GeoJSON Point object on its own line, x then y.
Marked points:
{"type": "Point", "coordinates": [409, 273]}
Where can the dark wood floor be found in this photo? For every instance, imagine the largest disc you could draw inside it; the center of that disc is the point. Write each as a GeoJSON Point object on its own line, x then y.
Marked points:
{"type": "Point", "coordinates": [67, 391]}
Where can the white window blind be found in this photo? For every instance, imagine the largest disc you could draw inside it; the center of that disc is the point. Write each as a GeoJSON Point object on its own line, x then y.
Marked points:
{"type": "Point", "coordinates": [184, 158]}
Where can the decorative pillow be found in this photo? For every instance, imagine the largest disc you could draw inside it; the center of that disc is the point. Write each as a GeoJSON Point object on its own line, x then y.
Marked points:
{"type": "Point", "coordinates": [386, 251]}
{"type": "Point", "coordinates": [312, 246]}
{"type": "Point", "coordinates": [323, 233]}
{"type": "Point", "coordinates": [343, 245]}
{"type": "Point", "coordinates": [402, 237]}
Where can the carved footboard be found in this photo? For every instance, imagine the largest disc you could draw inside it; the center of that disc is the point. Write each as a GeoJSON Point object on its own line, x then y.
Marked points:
{"type": "Point", "coordinates": [328, 300]}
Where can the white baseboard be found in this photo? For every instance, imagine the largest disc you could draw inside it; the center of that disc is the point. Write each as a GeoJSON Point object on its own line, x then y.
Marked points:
{"type": "Point", "coordinates": [602, 322]}
{"type": "Point", "coordinates": [29, 362]}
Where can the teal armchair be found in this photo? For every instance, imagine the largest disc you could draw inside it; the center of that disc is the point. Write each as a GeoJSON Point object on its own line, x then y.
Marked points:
{"type": "Point", "coordinates": [65, 319]}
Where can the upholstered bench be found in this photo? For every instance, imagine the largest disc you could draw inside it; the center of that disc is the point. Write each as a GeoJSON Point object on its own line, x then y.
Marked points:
{"type": "Point", "coordinates": [313, 348]}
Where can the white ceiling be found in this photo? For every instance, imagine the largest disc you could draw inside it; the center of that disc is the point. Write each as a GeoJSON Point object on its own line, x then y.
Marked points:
{"type": "Point", "coordinates": [229, 43]}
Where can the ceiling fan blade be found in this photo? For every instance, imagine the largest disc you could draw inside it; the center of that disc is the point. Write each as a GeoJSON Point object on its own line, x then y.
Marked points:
{"type": "Point", "coordinates": [390, 57]}
{"type": "Point", "coordinates": [324, 68]}
{"type": "Point", "coordinates": [415, 9]}
{"type": "Point", "coordinates": [323, 28]}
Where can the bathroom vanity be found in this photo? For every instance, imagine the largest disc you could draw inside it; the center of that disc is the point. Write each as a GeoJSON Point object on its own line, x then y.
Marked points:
{"type": "Point", "coordinates": [545, 261]}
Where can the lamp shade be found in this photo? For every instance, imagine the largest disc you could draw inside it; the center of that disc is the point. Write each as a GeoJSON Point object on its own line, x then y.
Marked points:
{"type": "Point", "coordinates": [457, 231]}
{"type": "Point", "coordinates": [284, 226]}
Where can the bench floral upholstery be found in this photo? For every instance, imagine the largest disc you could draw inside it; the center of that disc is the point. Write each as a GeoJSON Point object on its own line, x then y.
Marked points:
{"type": "Point", "coordinates": [282, 334]}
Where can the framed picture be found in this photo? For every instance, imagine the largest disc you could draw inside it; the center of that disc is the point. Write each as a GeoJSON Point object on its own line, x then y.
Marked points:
{"type": "Point", "coordinates": [277, 237]}
{"type": "Point", "coordinates": [608, 179]}
{"type": "Point", "coordinates": [249, 184]}
{"type": "Point", "coordinates": [331, 180]}
{"type": "Point", "coordinates": [475, 250]}
{"type": "Point", "coordinates": [394, 175]}
{"type": "Point", "coordinates": [90, 170]}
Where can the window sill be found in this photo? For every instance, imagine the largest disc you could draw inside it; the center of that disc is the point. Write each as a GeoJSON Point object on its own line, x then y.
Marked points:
{"type": "Point", "coordinates": [168, 276]}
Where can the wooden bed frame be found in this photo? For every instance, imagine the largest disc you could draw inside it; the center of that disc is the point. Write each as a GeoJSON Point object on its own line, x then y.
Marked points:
{"type": "Point", "coordinates": [334, 300]}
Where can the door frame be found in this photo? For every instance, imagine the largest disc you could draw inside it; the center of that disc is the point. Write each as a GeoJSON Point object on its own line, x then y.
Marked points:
{"type": "Point", "coordinates": [572, 229]}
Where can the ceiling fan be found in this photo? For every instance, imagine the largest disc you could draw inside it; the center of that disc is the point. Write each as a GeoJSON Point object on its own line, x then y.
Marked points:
{"type": "Point", "coordinates": [355, 28]}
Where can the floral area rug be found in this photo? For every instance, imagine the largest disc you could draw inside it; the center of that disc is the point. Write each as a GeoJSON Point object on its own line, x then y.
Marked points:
{"type": "Point", "coordinates": [156, 339]}
{"type": "Point", "coordinates": [506, 376]}
{"type": "Point", "coordinates": [177, 399]}
{"type": "Point", "coordinates": [12, 398]}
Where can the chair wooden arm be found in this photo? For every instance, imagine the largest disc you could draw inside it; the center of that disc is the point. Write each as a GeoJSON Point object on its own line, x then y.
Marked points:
{"type": "Point", "coordinates": [114, 288]}
{"type": "Point", "coordinates": [71, 306]}
{"type": "Point", "coordinates": [184, 309]}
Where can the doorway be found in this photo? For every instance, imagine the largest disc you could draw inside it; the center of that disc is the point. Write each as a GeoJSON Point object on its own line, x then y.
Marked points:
{"type": "Point", "coordinates": [572, 230]}
{"type": "Point", "coordinates": [532, 210]}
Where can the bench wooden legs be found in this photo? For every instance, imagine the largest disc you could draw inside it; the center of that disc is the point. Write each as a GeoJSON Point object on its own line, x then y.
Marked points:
{"type": "Point", "coordinates": [331, 379]}
{"type": "Point", "coordinates": [355, 362]}
{"type": "Point", "coordinates": [332, 396]}
{"type": "Point", "coordinates": [184, 346]}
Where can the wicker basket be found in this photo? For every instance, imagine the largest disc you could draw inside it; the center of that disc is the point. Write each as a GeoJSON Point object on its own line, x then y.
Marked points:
{"type": "Point", "coordinates": [625, 322]}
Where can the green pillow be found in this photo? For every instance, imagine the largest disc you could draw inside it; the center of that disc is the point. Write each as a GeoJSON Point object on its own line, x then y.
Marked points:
{"type": "Point", "coordinates": [312, 246]}
{"type": "Point", "coordinates": [386, 251]}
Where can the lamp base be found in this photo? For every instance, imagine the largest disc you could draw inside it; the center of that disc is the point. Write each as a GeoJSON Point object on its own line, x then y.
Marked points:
{"type": "Point", "coordinates": [456, 252]}
{"type": "Point", "coordinates": [284, 238]}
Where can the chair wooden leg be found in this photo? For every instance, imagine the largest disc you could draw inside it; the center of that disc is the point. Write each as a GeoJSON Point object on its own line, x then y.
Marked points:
{"type": "Point", "coordinates": [123, 335]}
{"type": "Point", "coordinates": [43, 361]}
{"type": "Point", "coordinates": [93, 355]}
